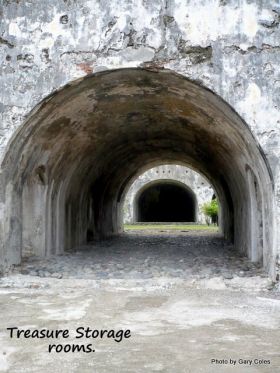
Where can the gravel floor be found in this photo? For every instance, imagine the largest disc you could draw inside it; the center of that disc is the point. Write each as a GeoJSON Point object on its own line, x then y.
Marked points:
{"type": "Point", "coordinates": [141, 255]}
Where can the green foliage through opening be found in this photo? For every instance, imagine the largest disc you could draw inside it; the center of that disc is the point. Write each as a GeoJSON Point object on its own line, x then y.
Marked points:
{"type": "Point", "coordinates": [211, 210]}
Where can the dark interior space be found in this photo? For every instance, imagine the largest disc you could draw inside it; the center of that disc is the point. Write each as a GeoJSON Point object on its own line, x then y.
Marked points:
{"type": "Point", "coordinates": [166, 202]}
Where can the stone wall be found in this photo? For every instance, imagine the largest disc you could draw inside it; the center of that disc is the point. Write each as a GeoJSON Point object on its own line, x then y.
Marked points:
{"type": "Point", "coordinates": [231, 47]}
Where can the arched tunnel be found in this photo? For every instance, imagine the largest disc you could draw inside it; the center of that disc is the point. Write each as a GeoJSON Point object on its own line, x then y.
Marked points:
{"type": "Point", "coordinates": [166, 201]}
{"type": "Point", "coordinates": [70, 164]}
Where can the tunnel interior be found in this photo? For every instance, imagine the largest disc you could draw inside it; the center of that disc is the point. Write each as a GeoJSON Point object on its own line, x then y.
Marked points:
{"type": "Point", "coordinates": [69, 166]}
{"type": "Point", "coordinates": [166, 202]}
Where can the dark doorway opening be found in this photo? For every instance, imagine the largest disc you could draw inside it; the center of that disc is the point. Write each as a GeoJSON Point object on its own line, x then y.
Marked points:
{"type": "Point", "coordinates": [166, 202]}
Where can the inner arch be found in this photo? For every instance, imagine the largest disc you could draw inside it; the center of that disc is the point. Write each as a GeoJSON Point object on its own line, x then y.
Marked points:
{"type": "Point", "coordinates": [166, 201]}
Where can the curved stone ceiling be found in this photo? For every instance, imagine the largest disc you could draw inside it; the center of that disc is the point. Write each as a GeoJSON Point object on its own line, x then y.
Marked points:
{"type": "Point", "coordinates": [85, 143]}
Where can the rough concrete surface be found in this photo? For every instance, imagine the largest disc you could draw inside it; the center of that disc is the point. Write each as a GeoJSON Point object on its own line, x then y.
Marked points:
{"type": "Point", "coordinates": [202, 303]}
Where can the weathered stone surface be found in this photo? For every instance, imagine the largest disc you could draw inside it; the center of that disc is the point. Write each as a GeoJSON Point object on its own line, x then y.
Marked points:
{"type": "Point", "coordinates": [173, 317]}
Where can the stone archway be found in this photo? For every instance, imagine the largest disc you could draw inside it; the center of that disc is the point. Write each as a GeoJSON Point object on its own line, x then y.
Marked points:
{"type": "Point", "coordinates": [68, 166]}
{"type": "Point", "coordinates": [171, 172]}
